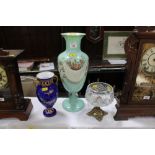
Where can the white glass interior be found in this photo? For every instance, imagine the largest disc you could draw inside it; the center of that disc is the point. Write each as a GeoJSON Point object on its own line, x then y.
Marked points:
{"type": "Point", "coordinates": [45, 75]}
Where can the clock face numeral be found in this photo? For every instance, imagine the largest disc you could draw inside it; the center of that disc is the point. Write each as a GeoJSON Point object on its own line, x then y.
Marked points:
{"type": "Point", "coordinates": [148, 61]}
{"type": "Point", "coordinates": [3, 78]}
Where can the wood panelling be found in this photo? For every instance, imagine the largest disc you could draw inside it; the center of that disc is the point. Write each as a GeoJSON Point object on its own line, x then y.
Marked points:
{"type": "Point", "coordinates": [46, 41]}
{"type": "Point", "coordinates": [37, 41]}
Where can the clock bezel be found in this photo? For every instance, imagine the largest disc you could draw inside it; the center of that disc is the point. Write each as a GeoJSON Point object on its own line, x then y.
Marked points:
{"type": "Point", "coordinates": [147, 73]}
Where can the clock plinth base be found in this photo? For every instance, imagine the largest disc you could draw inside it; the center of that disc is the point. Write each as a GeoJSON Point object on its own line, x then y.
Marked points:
{"type": "Point", "coordinates": [22, 114]}
{"type": "Point", "coordinates": [126, 111]}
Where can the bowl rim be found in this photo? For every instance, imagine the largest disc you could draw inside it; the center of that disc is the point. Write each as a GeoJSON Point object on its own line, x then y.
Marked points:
{"type": "Point", "coordinates": [89, 87]}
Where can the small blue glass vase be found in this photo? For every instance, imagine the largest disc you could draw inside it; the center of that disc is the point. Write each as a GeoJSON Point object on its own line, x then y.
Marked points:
{"type": "Point", "coordinates": [47, 91]}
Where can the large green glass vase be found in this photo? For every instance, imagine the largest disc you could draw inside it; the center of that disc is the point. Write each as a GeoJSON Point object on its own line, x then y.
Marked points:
{"type": "Point", "coordinates": [73, 67]}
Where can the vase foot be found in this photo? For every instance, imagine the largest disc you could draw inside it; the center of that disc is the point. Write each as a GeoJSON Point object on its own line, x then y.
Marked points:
{"type": "Point", "coordinates": [49, 112]}
{"type": "Point", "coordinates": [74, 107]}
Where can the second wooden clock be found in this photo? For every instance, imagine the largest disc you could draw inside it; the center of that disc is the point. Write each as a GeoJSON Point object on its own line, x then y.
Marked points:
{"type": "Point", "coordinates": [138, 96]}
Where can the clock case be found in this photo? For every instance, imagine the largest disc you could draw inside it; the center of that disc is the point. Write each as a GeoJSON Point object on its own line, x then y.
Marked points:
{"type": "Point", "coordinates": [15, 105]}
{"type": "Point", "coordinates": [127, 107]}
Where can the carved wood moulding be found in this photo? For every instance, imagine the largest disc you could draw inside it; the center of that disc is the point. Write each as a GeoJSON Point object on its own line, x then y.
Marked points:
{"type": "Point", "coordinates": [144, 28]}
{"type": "Point", "coordinates": [94, 33]}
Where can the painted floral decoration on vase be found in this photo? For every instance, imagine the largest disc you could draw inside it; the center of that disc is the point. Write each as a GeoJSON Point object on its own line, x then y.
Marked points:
{"type": "Point", "coordinates": [47, 91]}
{"type": "Point", "coordinates": [73, 67]}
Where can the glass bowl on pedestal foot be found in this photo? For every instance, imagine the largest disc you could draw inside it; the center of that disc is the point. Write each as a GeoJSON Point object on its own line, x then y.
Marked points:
{"type": "Point", "coordinates": [99, 94]}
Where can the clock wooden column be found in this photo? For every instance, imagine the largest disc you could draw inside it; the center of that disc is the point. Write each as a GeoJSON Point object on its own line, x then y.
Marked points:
{"type": "Point", "coordinates": [138, 96]}
{"type": "Point", "coordinates": [12, 101]}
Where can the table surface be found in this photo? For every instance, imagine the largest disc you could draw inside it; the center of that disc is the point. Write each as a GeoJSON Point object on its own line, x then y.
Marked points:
{"type": "Point", "coordinates": [77, 120]}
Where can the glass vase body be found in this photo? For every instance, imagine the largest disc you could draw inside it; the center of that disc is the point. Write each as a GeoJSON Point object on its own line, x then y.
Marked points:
{"type": "Point", "coordinates": [73, 67]}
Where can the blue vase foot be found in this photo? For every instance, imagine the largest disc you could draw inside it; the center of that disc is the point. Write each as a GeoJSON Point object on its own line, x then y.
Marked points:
{"type": "Point", "coordinates": [50, 112]}
{"type": "Point", "coordinates": [73, 107]}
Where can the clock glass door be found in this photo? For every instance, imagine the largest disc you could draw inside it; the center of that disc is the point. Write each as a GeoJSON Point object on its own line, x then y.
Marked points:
{"type": "Point", "coordinates": [144, 89]}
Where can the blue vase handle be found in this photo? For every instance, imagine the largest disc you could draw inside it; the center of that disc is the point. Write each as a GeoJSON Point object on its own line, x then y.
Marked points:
{"type": "Point", "coordinates": [55, 79]}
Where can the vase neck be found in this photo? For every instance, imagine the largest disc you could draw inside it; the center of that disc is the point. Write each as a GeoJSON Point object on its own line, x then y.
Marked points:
{"type": "Point", "coordinates": [73, 42]}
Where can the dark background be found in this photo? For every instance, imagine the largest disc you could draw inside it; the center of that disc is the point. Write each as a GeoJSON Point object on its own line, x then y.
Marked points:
{"type": "Point", "coordinates": [41, 42]}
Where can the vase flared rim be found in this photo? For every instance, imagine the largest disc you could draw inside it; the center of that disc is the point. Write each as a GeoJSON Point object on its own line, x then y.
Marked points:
{"type": "Point", "coordinates": [73, 34]}
{"type": "Point", "coordinates": [45, 75]}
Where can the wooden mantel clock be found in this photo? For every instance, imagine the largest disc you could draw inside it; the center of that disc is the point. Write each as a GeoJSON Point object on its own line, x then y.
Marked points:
{"type": "Point", "coordinates": [12, 101]}
{"type": "Point", "coordinates": [138, 95]}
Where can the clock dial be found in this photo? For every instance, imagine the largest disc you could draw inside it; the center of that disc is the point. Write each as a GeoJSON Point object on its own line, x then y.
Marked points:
{"type": "Point", "coordinates": [148, 61]}
{"type": "Point", "coordinates": [3, 78]}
